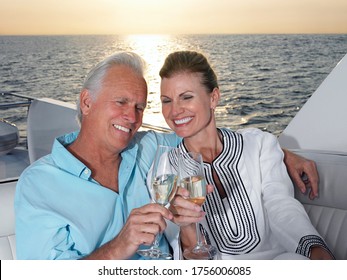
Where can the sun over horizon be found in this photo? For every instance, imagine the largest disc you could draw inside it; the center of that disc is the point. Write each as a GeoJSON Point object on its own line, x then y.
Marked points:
{"type": "Point", "coordinates": [53, 17]}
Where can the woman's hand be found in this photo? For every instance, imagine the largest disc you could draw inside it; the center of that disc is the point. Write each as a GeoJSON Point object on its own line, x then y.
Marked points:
{"type": "Point", "coordinates": [184, 211]}
{"type": "Point", "coordinates": [319, 253]}
{"type": "Point", "coordinates": [186, 214]}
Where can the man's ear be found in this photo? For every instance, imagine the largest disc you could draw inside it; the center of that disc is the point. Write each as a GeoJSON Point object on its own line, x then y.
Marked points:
{"type": "Point", "coordinates": [85, 102]}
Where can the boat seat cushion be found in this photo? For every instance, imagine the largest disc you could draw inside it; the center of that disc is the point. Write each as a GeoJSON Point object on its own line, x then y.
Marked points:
{"type": "Point", "coordinates": [48, 119]}
{"type": "Point", "coordinates": [328, 212]}
{"type": "Point", "coordinates": [7, 221]}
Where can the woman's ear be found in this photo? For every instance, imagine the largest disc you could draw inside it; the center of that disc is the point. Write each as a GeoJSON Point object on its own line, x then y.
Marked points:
{"type": "Point", "coordinates": [215, 95]}
{"type": "Point", "coordinates": [85, 102]}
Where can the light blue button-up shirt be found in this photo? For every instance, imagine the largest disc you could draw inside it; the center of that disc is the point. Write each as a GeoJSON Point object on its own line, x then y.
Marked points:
{"type": "Point", "coordinates": [63, 213]}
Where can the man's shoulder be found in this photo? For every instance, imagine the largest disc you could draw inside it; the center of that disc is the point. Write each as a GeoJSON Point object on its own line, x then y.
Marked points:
{"type": "Point", "coordinates": [154, 137]}
{"type": "Point", "coordinates": [38, 166]}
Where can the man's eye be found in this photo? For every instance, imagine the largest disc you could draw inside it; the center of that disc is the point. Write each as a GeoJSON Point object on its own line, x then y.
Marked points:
{"type": "Point", "coordinates": [120, 102]}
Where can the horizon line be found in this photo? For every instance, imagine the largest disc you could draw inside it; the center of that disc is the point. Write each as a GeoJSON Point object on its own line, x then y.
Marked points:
{"type": "Point", "coordinates": [173, 34]}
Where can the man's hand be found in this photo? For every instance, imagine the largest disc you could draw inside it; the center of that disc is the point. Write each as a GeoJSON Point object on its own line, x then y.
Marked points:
{"type": "Point", "coordinates": [303, 172]}
{"type": "Point", "coordinates": [141, 227]}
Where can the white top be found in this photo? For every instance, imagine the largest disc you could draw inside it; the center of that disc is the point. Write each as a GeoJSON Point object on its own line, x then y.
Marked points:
{"type": "Point", "coordinates": [259, 218]}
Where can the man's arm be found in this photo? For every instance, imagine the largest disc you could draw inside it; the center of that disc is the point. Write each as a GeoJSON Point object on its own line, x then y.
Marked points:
{"type": "Point", "coordinates": [303, 172]}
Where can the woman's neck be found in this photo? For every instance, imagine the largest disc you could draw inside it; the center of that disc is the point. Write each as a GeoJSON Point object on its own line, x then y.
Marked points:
{"type": "Point", "coordinates": [209, 144]}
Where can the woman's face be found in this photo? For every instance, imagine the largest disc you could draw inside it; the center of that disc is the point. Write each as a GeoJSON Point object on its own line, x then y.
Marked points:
{"type": "Point", "coordinates": [187, 104]}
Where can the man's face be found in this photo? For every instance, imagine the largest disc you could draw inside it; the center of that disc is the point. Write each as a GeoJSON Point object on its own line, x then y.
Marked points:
{"type": "Point", "coordinates": [116, 114]}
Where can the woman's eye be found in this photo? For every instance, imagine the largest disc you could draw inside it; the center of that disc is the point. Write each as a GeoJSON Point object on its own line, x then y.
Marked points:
{"type": "Point", "coordinates": [185, 97]}
{"type": "Point", "coordinates": [164, 101]}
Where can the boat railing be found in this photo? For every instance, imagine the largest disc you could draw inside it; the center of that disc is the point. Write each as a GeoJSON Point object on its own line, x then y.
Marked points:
{"type": "Point", "coordinates": [15, 104]}
{"type": "Point", "coordinates": [28, 100]}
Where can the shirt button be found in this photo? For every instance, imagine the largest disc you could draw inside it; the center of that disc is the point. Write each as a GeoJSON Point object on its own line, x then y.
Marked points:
{"type": "Point", "coordinates": [86, 171]}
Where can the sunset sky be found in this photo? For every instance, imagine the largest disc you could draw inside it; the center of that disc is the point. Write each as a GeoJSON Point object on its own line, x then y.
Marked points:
{"type": "Point", "coordinates": [48, 17]}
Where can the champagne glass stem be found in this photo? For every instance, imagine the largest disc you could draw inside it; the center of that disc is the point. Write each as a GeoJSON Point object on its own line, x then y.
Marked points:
{"type": "Point", "coordinates": [198, 236]}
{"type": "Point", "coordinates": [156, 241]}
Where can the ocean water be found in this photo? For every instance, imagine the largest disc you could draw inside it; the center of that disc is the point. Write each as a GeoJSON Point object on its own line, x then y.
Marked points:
{"type": "Point", "coordinates": [264, 79]}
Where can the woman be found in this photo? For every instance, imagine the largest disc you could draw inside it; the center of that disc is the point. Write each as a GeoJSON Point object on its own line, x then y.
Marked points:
{"type": "Point", "coordinates": [251, 213]}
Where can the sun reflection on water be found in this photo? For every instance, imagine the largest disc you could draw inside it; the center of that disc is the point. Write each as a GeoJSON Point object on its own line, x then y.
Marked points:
{"type": "Point", "coordinates": [154, 49]}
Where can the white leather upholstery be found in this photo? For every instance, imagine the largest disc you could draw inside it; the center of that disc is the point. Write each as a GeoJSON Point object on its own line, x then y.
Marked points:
{"type": "Point", "coordinates": [48, 119]}
{"type": "Point", "coordinates": [328, 212]}
{"type": "Point", "coordinates": [7, 221]}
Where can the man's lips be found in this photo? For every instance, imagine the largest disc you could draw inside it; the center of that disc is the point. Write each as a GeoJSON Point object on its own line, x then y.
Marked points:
{"type": "Point", "coordinates": [122, 128]}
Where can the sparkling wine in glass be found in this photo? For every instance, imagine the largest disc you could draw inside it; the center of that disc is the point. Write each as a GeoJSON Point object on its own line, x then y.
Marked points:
{"type": "Point", "coordinates": [192, 178]}
{"type": "Point", "coordinates": [162, 187]}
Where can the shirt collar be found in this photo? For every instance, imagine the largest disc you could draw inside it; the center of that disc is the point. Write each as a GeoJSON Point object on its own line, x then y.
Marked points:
{"type": "Point", "coordinates": [65, 160]}
{"type": "Point", "coordinates": [127, 165]}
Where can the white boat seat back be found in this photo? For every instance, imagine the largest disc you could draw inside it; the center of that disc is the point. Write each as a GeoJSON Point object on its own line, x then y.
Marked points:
{"type": "Point", "coordinates": [48, 119]}
{"type": "Point", "coordinates": [328, 212]}
{"type": "Point", "coordinates": [321, 122]}
{"type": "Point", "coordinates": [7, 221]}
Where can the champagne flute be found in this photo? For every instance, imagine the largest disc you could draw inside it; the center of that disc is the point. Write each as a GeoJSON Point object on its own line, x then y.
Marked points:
{"type": "Point", "coordinates": [162, 187]}
{"type": "Point", "coordinates": [192, 178]}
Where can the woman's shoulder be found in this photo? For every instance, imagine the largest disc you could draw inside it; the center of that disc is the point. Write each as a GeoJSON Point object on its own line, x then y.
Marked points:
{"type": "Point", "coordinates": [250, 131]}
{"type": "Point", "coordinates": [251, 134]}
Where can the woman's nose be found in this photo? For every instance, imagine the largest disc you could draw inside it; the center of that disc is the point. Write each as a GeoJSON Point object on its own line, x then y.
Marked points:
{"type": "Point", "coordinates": [176, 108]}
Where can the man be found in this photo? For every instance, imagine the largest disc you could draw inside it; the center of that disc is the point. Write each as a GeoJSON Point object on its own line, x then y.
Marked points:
{"type": "Point", "coordinates": [87, 199]}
